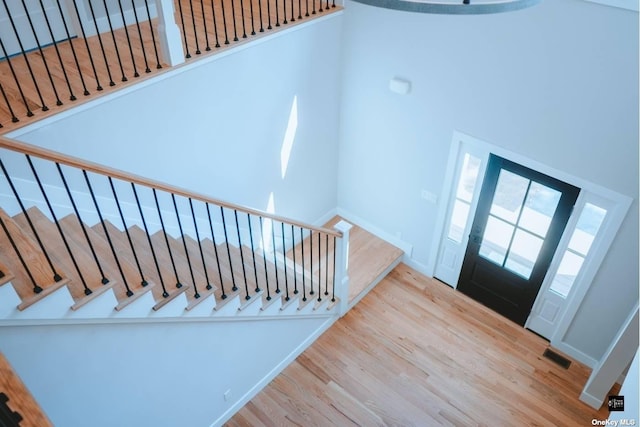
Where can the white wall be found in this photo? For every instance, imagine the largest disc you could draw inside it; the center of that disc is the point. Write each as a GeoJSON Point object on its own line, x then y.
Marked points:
{"type": "Point", "coordinates": [153, 374]}
{"type": "Point", "coordinates": [219, 128]}
{"type": "Point", "coordinates": [557, 83]}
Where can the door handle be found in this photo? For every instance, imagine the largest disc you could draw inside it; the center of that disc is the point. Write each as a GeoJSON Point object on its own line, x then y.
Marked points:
{"type": "Point", "coordinates": [475, 238]}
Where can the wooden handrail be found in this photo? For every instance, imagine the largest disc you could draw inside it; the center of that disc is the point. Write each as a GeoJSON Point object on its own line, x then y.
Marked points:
{"type": "Point", "coordinates": [76, 162]}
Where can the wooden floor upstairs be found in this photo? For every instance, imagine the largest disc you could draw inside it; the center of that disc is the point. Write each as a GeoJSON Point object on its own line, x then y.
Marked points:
{"type": "Point", "coordinates": [37, 81]}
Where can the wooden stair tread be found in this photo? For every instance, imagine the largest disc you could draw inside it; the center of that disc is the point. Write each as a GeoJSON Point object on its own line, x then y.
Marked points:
{"type": "Point", "coordinates": [125, 257]}
{"type": "Point", "coordinates": [35, 260]}
{"type": "Point", "coordinates": [53, 243]}
{"type": "Point", "coordinates": [164, 276]}
{"type": "Point", "coordinates": [369, 257]}
{"type": "Point", "coordinates": [186, 275]}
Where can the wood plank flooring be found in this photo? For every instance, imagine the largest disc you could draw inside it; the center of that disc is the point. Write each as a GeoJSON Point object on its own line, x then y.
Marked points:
{"type": "Point", "coordinates": [122, 64]}
{"type": "Point", "coordinates": [415, 352]}
{"type": "Point", "coordinates": [20, 399]}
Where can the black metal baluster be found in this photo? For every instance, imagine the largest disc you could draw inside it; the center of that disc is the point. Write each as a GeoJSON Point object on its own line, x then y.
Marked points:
{"type": "Point", "coordinates": [166, 239]}
{"type": "Point", "coordinates": [143, 282]}
{"type": "Point", "coordinates": [311, 292]}
{"type": "Point", "coordinates": [293, 250]}
{"type": "Point", "coordinates": [86, 44]}
{"type": "Point", "coordinates": [215, 23]}
{"type": "Point", "coordinates": [224, 23]}
{"type": "Point", "coordinates": [72, 97]}
{"type": "Point", "coordinates": [326, 265]}
{"type": "Point", "coordinates": [333, 4]}
{"type": "Point", "coordinates": [104, 280]}
{"type": "Point", "coordinates": [306, 7]}
{"type": "Point", "coordinates": [244, 31]}
{"type": "Point", "coordinates": [284, 14]}
{"type": "Point", "coordinates": [24, 55]}
{"type": "Point", "coordinates": [253, 26]}
{"type": "Point", "coordinates": [233, 14]}
{"type": "Point", "coordinates": [15, 78]}
{"type": "Point", "coordinates": [126, 32]}
{"type": "Point", "coordinates": [87, 291]}
{"type": "Point", "coordinates": [260, 13]}
{"type": "Point", "coordinates": [264, 260]}
{"type": "Point", "coordinates": [226, 241]}
{"type": "Point", "coordinates": [253, 252]}
{"type": "Point", "coordinates": [304, 285]}
{"type": "Point", "coordinates": [153, 37]}
{"type": "Point", "coordinates": [275, 263]}
{"type": "Point", "coordinates": [195, 31]}
{"type": "Point", "coordinates": [277, 15]}
{"type": "Point", "coordinates": [327, 6]}
{"type": "Point", "coordinates": [333, 296]}
{"type": "Point", "coordinates": [320, 5]}
{"type": "Point", "coordinates": [269, 14]}
{"type": "Point", "coordinates": [204, 23]}
{"type": "Point", "coordinates": [14, 119]}
{"type": "Point", "coordinates": [204, 264]}
{"type": "Point", "coordinates": [244, 272]}
{"type": "Point", "coordinates": [73, 50]}
{"type": "Point", "coordinates": [313, 3]}
{"type": "Point", "coordinates": [319, 269]}
{"type": "Point", "coordinates": [104, 54]}
{"type": "Point", "coordinates": [299, 9]}
{"type": "Point", "coordinates": [144, 51]}
{"type": "Point", "coordinates": [113, 37]}
{"type": "Point", "coordinates": [165, 294]}
{"type": "Point", "coordinates": [106, 233]}
{"type": "Point", "coordinates": [215, 251]}
{"type": "Point", "coordinates": [184, 30]}
{"type": "Point", "coordinates": [293, 19]}
{"type": "Point", "coordinates": [196, 294]}
{"type": "Point", "coordinates": [56, 276]}
{"type": "Point", "coordinates": [284, 258]}
{"type": "Point", "coordinates": [36, 289]}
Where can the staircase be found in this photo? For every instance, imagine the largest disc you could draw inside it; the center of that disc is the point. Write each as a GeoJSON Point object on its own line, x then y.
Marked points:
{"type": "Point", "coordinates": [85, 249]}
{"type": "Point", "coordinates": [253, 282]}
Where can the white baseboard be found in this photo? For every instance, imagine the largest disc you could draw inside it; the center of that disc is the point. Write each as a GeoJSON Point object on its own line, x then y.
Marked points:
{"type": "Point", "coordinates": [590, 400]}
{"type": "Point", "coordinates": [575, 354]}
{"type": "Point", "coordinates": [418, 266]}
{"type": "Point", "coordinates": [274, 372]}
{"type": "Point", "coordinates": [406, 247]}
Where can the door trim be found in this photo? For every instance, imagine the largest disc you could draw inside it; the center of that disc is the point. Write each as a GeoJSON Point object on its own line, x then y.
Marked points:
{"type": "Point", "coordinates": [619, 206]}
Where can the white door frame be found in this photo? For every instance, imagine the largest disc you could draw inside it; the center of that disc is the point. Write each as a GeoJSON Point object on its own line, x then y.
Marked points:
{"type": "Point", "coordinates": [617, 206]}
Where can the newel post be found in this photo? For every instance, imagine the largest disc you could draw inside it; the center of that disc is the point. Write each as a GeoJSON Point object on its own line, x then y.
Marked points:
{"type": "Point", "coordinates": [342, 266]}
{"type": "Point", "coordinates": [169, 34]}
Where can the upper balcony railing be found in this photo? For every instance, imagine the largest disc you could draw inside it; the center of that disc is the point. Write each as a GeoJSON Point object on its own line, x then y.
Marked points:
{"type": "Point", "coordinates": [54, 53]}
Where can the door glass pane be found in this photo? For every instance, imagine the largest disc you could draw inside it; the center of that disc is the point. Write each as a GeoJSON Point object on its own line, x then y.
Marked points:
{"type": "Point", "coordinates": [458, 220]}
{"type": "Point", "coordinates": [468, 178]}
{"type": "Point", "coordinates": [539, 208]}
{"type": "Point", "coordinates": [524, 253]}
{"type": "Point", "coordinates": [588, 225]}
{"type": "Point", "coordinates": [509, 196]}
{"type": "Point", "coordinates": [567, 273]}
{"type": "Point", "coordinates": [495, 240]}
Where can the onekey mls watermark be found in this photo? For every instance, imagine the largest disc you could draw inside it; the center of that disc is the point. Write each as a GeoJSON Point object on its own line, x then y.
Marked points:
{"type": "Point", "coordinates": [615, 404]}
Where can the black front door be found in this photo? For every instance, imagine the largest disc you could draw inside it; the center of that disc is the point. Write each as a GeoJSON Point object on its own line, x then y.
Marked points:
{"type": "Point", "coordinates": [519, 220]}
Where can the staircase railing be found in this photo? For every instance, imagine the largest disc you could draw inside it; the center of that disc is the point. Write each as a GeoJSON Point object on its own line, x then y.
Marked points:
{"type": "Point", "coordinates": [66, 49]}
{"type": "Point", "coordinates": [179, 240]}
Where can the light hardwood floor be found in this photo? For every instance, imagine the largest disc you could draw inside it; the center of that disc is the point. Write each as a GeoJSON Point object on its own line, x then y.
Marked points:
{"type": "Point", "coordinates": [415, 352]}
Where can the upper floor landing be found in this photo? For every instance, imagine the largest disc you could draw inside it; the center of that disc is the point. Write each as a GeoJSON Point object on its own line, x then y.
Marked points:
{"type": "Point", "coordinates": [59, 54]}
